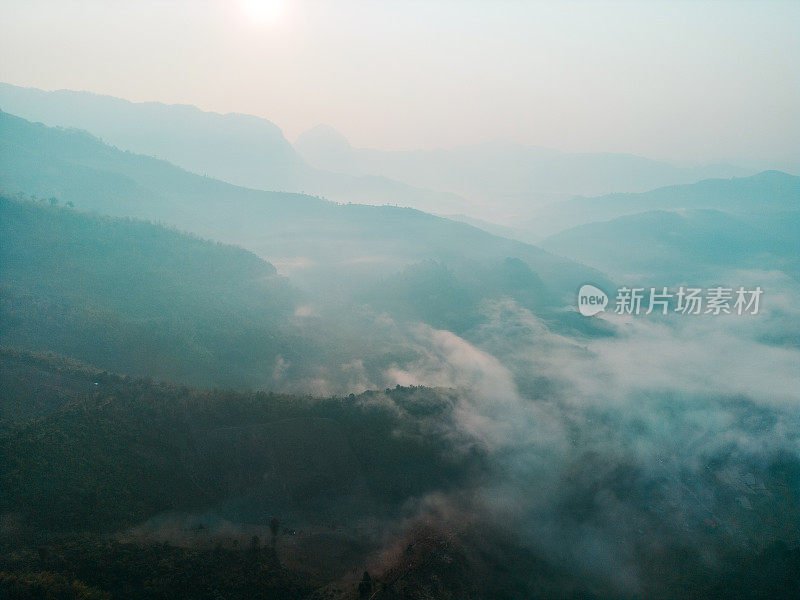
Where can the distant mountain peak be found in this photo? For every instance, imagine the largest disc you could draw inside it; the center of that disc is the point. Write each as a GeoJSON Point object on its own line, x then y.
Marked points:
{"type": "Point", "coordinates": [322, 135]}
{"type": "Point", "coordinates": [774, 175]}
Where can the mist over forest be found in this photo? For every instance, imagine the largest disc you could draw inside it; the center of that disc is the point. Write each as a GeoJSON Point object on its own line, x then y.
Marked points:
{"type": "Point", "coordinates": [237, 362]}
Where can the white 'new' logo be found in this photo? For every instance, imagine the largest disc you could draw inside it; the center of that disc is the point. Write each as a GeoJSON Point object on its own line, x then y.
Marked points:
{"type": "Point", "coordinates": [591, 300]}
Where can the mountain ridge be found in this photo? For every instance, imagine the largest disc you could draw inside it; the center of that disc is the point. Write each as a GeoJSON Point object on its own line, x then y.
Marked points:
{"type": "Point", "coordinates": [237, 148]}
{"type": "Point", "coordinates": [503, 179]}
{"type": "Point", "coordinates": [77, 167]}
{"type": "Point", "coordinates": [748, 194]}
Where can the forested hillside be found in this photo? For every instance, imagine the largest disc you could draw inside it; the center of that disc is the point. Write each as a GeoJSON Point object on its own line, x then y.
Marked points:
{"type": "Point", "coordinates": [235, 483]}
{"type": "Point", "coordinates": [139, 298]}
{"type": "Point", "coordinates": [436, 300]}
{"type": "Point", "coordinates": [117, 487]}
{"type": "Point", "coordinates": [320, 243]}
{"type": "Point", "coordinates": [767, 192]}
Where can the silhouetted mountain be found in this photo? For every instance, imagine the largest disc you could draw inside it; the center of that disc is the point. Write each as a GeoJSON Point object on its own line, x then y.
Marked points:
{"type": "Point", "coordinates": [768, 191]}
{"type": "Point", "coordinates": [240, 149]}
{"type": "Point", "coordinates": [315, 240]}
{"type": "Point", "coordinates": [502, 180]}
{"type": "Point", "coordinates": [498, 182]}
{"type": "Point", "coordinates": [697, 245]}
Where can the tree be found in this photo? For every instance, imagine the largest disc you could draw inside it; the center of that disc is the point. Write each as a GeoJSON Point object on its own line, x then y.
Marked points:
{"type": "Point", "coordinates": [274, 527]}
{"type": "Point", "coordinates": [365, 587]}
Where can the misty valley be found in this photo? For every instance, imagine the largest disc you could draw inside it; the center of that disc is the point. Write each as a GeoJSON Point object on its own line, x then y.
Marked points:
{"type": "Point", "coordinates": [233, 366]}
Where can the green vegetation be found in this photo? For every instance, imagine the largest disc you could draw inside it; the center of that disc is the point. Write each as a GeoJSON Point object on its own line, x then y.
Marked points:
{"type": "Point", "coordinates": [103, 290]}
{"type": "Point", "coordinates": [105, 453]}
{"type": "Point", "coordinates": [562, 466]}
{"type": "Point", "coordinates": [698, 246]}
{"type": "Point", "coordinates": [432, 293]}
{"type": "Point", "coordinates": [112, 451]}
{"type": "Point", "coordinates": [333, 243]}
{"type": "Point", "coordinates": [85, 568]}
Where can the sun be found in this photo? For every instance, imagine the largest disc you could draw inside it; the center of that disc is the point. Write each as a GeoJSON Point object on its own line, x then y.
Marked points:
{"type": "Point", "coordinates": [263, 11]}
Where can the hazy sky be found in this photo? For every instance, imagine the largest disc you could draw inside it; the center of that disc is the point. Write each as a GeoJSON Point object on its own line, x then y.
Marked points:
{"type": "Point", "coordinates": [678, 80]}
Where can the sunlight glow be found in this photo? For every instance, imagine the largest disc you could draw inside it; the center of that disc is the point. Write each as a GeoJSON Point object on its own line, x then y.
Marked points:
{"type": "Point", "coordinates": [263, 11]}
